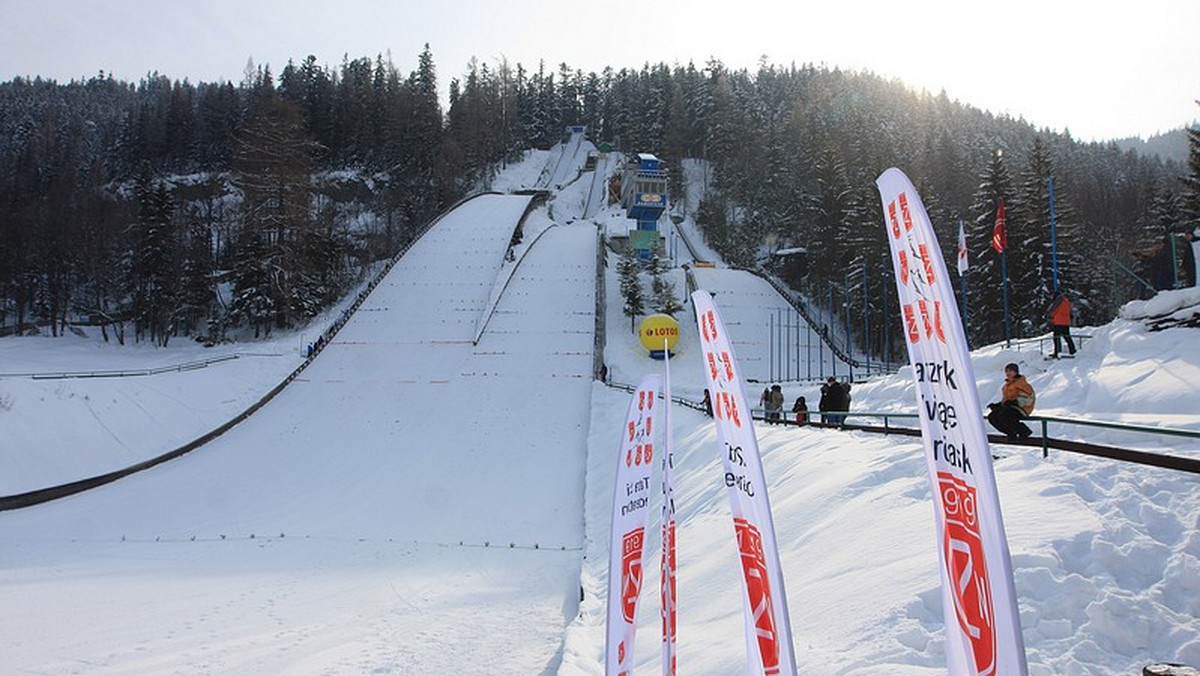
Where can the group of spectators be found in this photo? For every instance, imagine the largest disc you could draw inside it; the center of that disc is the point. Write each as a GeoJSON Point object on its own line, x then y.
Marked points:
{"type": "Point", "coordinates": [833, 405]}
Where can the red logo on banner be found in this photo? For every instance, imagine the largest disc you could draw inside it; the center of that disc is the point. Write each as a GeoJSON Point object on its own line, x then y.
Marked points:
{"type": "Point", "coordinates": [903, 255]}
{"type": "Point", "coordinates": [910, 322]}
{"type": "Point", "coordinates": [932, 324]}
{"type": "Point", "coordinates": [904, 212]}
{"type": "Point", "coordinates": [924, 249]}
{"type": "Point", "coordinates": [727, 409]}
{"type": "Point", "coordinates": [893, 221]}
{"type": "Point", "coordinates": [967, 569]}
{"type": "Point", "coordinates": [712, 364]}
{"type": "Point", "coordinates": [708, 326]}
{"type": "Point", "coordinates": [631, 572]}
{"type": "Point", "coordinates": [758, 588]}
{"type": "Point", "coordinates": [936, 325]}
{"type": "Point", "coordinates": [727, 361]}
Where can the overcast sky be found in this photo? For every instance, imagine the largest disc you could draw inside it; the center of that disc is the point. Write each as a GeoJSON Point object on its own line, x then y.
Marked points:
{"type": "Point", "coordinates": [1100, 69]}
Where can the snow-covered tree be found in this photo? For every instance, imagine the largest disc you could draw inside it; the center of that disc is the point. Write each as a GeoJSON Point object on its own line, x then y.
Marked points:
{"type": "Point", "coordinates": [664, 301]}
{"type": "Point", "coordinates": [984, 274]}
{"type": "Point", "coordinates": [629, 272]}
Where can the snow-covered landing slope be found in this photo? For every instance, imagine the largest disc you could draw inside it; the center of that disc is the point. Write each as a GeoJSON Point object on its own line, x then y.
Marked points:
{"type": "Point", "coordinates": [414, 503]}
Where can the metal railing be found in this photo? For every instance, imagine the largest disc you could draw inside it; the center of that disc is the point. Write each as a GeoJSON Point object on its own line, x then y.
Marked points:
{"type": "Point", "coordinates": [123, 373]}
{"type": "Point", "coordinates": [1042, 439]}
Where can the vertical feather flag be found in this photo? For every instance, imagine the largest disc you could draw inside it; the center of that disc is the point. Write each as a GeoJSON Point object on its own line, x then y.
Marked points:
{"type": "Point", "coordinates": [668, 528]}
{"type": "Point", "coordinates": [1000, 230]}
{"type": "Point", "coordinates": [631, 507]}
{"type": "Point", "coordinates": [768, 628]}
{"type": "Point", "coordinates": [979, 599]}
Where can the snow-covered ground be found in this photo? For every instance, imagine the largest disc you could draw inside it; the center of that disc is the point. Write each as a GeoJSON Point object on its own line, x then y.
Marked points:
{"type": "Point", "coordinates": [421, 504]}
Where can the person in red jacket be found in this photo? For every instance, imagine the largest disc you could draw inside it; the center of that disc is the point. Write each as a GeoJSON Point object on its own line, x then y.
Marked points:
{"type": "Point", "coordinates": [1060, 324]}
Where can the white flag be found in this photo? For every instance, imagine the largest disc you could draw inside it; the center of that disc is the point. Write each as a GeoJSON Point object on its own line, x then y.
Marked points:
{"type": "Point", "coordinates": [983, 630]}
{"type": "Point", "coordinates": [631, 507]}
{"type": "Point", "coordinates": [768, 629]}
{"type": "Point", "coordinates": [668, 528]}
{"type": "Point", "coordinates": [962, 250]}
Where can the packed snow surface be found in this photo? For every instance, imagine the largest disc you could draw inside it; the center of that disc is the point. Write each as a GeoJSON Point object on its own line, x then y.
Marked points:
{"type": "Point", "coordinates": [422, 503]}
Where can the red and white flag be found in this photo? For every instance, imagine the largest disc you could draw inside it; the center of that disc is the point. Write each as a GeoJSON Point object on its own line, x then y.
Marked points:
{"type": "Point", "coordinates": [979, 600]}
{"type": "Point", "coordinates": [631, 507]}
{"type": "Point", "coordinates": [668, 528]}
{"type": "Point", "coordinates": [768, 628]}
{"type": "Point", "coordinates": [1000, 230]}
{"type": "Point", "coordinates": [962, 250]}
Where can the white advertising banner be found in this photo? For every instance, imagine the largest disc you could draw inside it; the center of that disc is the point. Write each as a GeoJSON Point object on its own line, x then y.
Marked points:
{"type": "Point", "coordinates": [668, 528]}
{"type": "Point", "coordinates": [983, 630]}
{"type": "Point", "coordinates": [768, 628]}
{"type": "Point", "coordinates": [631, 508]}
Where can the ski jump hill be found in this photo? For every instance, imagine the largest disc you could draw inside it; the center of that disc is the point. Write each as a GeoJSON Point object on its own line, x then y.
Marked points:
{"type": "Point", "coordinates": [432, 495]}
{"type": "Point", "coordinates": [390, 436]}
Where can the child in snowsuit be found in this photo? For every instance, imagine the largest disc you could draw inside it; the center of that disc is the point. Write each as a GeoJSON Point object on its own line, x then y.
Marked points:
{"type": "Point", "coordinates": [1016, 402]}
{"type": "Point", "coordinates": [800, 408]}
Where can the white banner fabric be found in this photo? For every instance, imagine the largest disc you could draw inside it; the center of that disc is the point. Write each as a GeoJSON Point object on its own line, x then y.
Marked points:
{"type": "Point", "coordinates": [768, 628]}
{"type": "Point", "coordinates": [667, 572]}
{"type": "Point", "coordinates": [983, 630]}
{"type": "Point", "coordinates": [631, 509]}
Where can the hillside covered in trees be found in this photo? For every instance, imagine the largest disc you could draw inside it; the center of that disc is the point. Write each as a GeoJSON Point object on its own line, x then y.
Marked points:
{"type": "Point", "coordinates": [132, 204]}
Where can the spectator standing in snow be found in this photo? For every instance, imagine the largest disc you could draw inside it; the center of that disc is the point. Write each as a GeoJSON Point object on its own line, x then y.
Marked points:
{"type": "Point", "coordinates": [844, 401]}
{"type": "Point", "coordinates": [1016, 402]}
{"type": "Point", "coordinates": [1060, 324]}
{"type": "Point", "coordinates": [826, 401]}
{"type": "Point", "coordinates": [707, 402]}
{"type": "Point", "coordinates": [775, 404]}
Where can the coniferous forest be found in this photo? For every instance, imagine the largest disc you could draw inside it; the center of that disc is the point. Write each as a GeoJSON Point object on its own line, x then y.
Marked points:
{"type": "Point", "coordinates": [128, 205]}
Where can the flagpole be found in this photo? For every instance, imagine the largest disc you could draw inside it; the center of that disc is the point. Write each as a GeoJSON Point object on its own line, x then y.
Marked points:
{"type": "Point", "coordinates": [962, 275]}
{"type": "Point", "coordinates": [1053, 238]}
{"type": "Point", "coordinates": [1000, 244]}
{"type": "Point", "coordinates": [1004, 275]}
{"type": "Point", "coordinates": [966, 314]}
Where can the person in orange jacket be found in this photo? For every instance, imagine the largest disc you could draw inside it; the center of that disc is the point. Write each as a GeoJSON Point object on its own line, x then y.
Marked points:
{"type": "Point", "coordinates": [1016, 402]}
{"type": "Point", "coordinates": [1060, 324]}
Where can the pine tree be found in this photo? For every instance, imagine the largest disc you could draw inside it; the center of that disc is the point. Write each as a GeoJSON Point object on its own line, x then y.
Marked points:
{"type": "Point", "coordinates": [631, 287]}
{"type": "Point", "coordinates": [663, 289]}
{"type": "Point", "coordinates": [1029, 256]}
{"type": "Point", "coordinates": [197, 285]}
{"type": "Point", "coordinates": [273, 170]}
{"type": "Point", "coordinates": [1191, 182]}
{"type": "Point", "coordinates": [830, 215]}
{"type": "Point", "coordinates": [253, 301]}
{"type": "Point", "coordinates": [153, 265]}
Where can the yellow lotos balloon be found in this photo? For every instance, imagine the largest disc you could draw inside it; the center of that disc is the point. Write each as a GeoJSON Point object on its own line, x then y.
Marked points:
{"type": "Point", "coordinates": [655, 329]}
